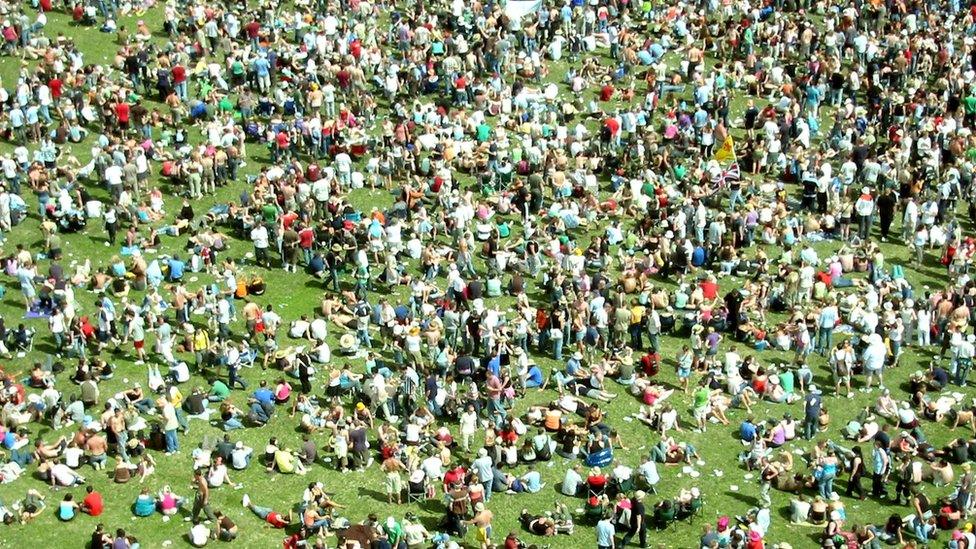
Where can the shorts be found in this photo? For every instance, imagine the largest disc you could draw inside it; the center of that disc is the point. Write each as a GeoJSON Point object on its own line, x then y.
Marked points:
{"type": "Point", "coordinates": [139, 344]}
{"type": "Point", "coordinates": [394, 484]}
{"type": "Point", "coordinates": [701, 413]}
{"type": "Point", "coordinates": [482, 535]}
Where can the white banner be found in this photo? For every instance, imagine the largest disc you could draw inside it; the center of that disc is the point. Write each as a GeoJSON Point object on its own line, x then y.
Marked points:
{"type": "Point", "coordinates": [517, 9]}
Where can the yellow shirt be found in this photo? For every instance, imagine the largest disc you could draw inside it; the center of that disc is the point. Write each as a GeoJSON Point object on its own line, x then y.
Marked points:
{"type": "Point", "coordinates": [637, 314]}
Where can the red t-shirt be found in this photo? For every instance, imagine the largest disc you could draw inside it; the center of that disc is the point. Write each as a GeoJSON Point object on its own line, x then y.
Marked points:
{"type": "Point", "coordinates": [289, 219]}
{"type": "Point", "coordinates": [276, 520]}
{"type": "Point", "coordinates": [93, 502]}
{"type": "Point", "coordinates": [56, 87]}
{"type": "Point", "coordinates": [253, 29]}
{"type": "Point", "coordinates": [122, 112]}
{"type": "Point", "coordinates": [606, 92]}
{"type": "Point", "coordinates": [709, 289]}
{"type": "Point", "coordinates": [306, 237]}
{"type": "Point", "coordinates": [282, 139]}
{"type": "Point", "coordinates": [179, 74]}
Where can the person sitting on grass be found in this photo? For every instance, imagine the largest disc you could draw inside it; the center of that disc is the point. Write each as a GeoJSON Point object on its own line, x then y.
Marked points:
{"type": "Point", "coordinates": [145, 504]}
{"type": "Point", "coordinates": [93, 504]}
{"type": "Point", "coordinates": [68, 508]}
{"type": "Point", "coordinates": [224, 528]}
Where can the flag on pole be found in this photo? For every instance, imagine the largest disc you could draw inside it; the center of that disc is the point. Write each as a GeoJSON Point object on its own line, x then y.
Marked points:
{"type": "Point", "coordinates": [727, 152]}
{"type": "Point", "coordinates": [721, 177]}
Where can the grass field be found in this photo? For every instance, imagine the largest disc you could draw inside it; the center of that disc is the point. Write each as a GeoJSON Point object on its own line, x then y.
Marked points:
{"type": "Point", "coordinates": [295, 294]}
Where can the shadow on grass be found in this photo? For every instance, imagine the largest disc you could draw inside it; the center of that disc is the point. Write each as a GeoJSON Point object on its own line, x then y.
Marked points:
{"type": "Point", "coordinates": [373, 494]}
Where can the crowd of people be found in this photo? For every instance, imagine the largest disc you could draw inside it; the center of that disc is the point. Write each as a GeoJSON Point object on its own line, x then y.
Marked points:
{"type": "Point", "coordinates": [544, 233]}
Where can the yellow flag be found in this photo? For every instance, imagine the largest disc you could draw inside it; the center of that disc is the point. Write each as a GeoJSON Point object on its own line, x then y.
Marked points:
{"type": "Point", "coordinates": [727, 152]}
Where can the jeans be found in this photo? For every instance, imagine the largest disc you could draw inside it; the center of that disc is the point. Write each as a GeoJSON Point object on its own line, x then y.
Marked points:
{"type": "Point", "coordinates": [963, 365]}
{"type": "Point", "coordinates": [122, 439]}
{"type": "Point", "coordinates": [826, 485]}
{"type": "Point", "coordinates": [261, 512]}
{"type": "Point", "coordinates": [487, 486]}
{"type": "Point", "coordinates": [557, 348]}
{"type": "Point", "coordinates": [233, 423]}
{"type": "Point", "coordinates": [735, 198]}
{"type": "Point", "coordinates": [810, 427]}
{"type": "Point", "coordinates": [863, 226]}
{"type": "Point", "coordinates": [172, 445]}
{"type": "Point", "coordinates": [258, 412]}
{"type": "Point", "coordinates": [825, 339]}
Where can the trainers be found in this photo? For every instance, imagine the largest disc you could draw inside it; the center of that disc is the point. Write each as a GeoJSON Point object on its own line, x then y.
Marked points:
{"type": "Point", "coordinates": [246, 501]}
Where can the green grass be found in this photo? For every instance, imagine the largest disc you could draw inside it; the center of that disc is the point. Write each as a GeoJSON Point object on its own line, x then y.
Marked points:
{"type": "Point", "coordinates": [293, 295]}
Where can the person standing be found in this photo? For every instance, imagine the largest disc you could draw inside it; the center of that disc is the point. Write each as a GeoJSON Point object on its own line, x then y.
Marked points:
{"type": "Point", "coordinates": [172, 423]}
{"type": "Point", "coordinates": [201, 501]}
{"type": "Point", "coordinates": [881, 464]}
{"type": "Point", "coordinates": [886, 212]}
{"type": "Point", "coordinates": [638, 520]}
{"type": "Point", "coordinates": [864, 208]}
{"type": "Point", "coordinates": [605, 532]}
{"type": "Point", "coordinates": [482, 522]}
{"type": "Point", "coordinates": [766, 477]}
{"type": "Point", "coordinates": [857, 471]}
{"type": "Point", "coordinates": [111, 218]}
{"type": "Point", "coordinates": [811, 419]}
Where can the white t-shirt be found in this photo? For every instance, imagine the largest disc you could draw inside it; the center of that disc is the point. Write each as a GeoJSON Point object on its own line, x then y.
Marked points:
{"type": "Point", "coordinates": [199, 535]}
{"type": "Point", "coordinates": [259, 235]}
{"type": "Point", "coordinates": [72, 457]}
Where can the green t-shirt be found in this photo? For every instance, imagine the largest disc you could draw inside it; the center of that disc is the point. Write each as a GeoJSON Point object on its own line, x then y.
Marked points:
{"type": "Point", "coordinates": [786, 381]}
{"type": "Point", "coordinates": [701, 397]}
{"type": "Point", "coordinates": [219, 389]}
{"type": "Point", "coordinates": [969, 104]}
{"type": "Point", "coordinates": [269, 213]}
{"type": "Point", "coordinates": [484, 131]}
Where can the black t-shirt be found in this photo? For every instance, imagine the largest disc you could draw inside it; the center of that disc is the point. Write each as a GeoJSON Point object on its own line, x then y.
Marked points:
{"type": "Point", "coordinates": [225, 449]}
{"type": "Point", "coordinates": [971, 450]}
{"type": "Point", "coordinates": [884, 438]}
{"type": "Point", "coordinates": [358, 439]}
{"type": "Point", "coordinates": [960, 454]}
{"type": "Point", "coordinates": [636, 510]}
{"type": "Point", "coordinates": [194, 404]}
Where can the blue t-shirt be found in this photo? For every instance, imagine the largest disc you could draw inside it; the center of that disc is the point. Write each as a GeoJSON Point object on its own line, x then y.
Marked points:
{"type": "Point", "coordinates": [535, 376]}
{"type": "Point", "coordinates": [747, 431]}
{"type": "Point", "coordinates": [572, 367]}
{"type": "Point", "coordinates": [66, 512]}
{"type": "Point", "coordinates": [176, 269]}
{"type": "Point", "coordinates": [604, 533]}
{"type": "Point", "coordinates": [264, 396]}
{"type": "Point", "coordinates": [532, 481]}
